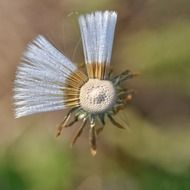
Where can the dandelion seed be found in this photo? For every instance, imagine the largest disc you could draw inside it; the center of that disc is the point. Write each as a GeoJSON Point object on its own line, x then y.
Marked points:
{"type": "Point", "coordinates": [46, 80]}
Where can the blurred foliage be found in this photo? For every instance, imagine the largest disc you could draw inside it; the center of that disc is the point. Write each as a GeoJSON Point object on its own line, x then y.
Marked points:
{"type": "Point", "coordinates": [152, 37]}
{"type": "Point", "coordinates": [161, 55]}
{"type": "Point", "coordinates": [35, 163]}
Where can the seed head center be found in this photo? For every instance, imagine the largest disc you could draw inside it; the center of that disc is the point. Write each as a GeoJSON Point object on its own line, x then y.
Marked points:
{"type": "Point", "coordinates": [97, 96]}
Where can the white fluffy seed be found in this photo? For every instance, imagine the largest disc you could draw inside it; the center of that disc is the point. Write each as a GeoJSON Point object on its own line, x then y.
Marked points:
{"type": "Point", "coordinates": [97, 96]}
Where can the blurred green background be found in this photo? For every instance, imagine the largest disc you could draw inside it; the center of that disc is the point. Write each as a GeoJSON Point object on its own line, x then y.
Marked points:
{"type": "Point", "coordinates": [153, 38]}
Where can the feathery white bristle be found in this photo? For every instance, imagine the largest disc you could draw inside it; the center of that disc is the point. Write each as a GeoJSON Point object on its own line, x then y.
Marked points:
{"type": "Point", "coordinates": [97, 32]}
{"type": "Point", "coordinates": [40, 78]}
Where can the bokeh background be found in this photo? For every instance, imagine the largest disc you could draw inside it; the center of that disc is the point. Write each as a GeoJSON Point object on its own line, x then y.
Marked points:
{"type": "Point", "coordinates": [153, 38]}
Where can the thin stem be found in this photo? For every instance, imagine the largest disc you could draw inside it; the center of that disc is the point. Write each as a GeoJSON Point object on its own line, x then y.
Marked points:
{"type": "Point", "coordinates": [92, 137]}
{"type": "Point", "coordinates": [64, 122]}
{"type": "Point", "coordinates": [115, 123]}
{"type": "Point", "coordinates": [79, 131]}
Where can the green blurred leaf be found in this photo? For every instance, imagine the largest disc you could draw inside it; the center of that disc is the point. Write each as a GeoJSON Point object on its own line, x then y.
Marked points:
{"type": "Point", "coordinates": [161, 55]}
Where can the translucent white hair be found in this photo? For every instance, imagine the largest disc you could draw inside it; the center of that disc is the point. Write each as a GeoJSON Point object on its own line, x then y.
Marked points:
{"type": "Point", "coordinates": [44, 72]}
{"type": "Point", "coordinates": [97, 32]}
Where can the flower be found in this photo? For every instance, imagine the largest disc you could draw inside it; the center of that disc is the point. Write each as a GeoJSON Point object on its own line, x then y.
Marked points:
{"type": "Point", "coordinates": [46, 80]}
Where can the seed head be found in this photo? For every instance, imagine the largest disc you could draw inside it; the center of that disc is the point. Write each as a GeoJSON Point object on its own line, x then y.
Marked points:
{"type": "Point", "coordinates": [47, 80]}
{"type": "Point", "coordinates": [97, 96]}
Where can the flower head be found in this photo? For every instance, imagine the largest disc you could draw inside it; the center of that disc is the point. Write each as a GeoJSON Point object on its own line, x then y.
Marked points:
{"type": "Point", "coordinates": [46, 80]}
